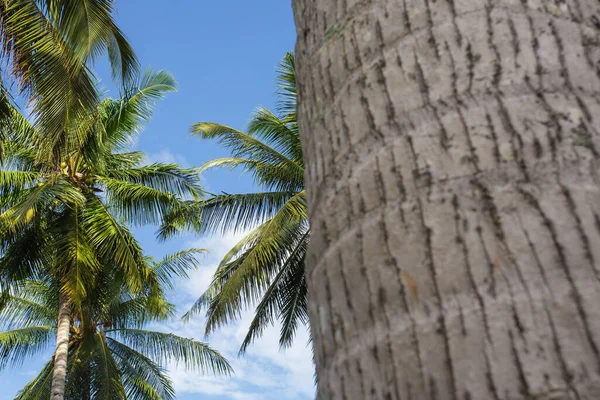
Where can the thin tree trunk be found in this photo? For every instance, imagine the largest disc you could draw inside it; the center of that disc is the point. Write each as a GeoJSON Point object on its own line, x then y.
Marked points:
{"type": "Point", "coordinates": [59, 375]}
{"type": "Point", "coordinates": [454, 194]}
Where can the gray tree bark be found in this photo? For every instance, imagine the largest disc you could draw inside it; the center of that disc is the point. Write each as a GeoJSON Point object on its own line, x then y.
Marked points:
{"type": "Point", "coordinates": [59, 375]}
{"type": "Point", "coordinates": [451, 150]}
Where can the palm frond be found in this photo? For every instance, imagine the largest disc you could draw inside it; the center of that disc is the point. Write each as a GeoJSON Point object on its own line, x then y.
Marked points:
{"type": "Point", "coordinates": [143, 378]}
{"type": "Point", "coordinates": [25, 312]}
{"type": "Point", "coordinates": [76, 260]}
{"type": "Point", "coordinates": [136, 203]}
{"type": "Point", "coordinates": [114, 241]}
{"type": "Point", "coordinates": [41, 62]}
{"type": "Point", "coordinates": [25, 254]}
{"type": "Point", "coordinates": [17, 345]}
{"type": "Point", "coordinates": [42, 196]}
{"type": "Point", "coordinates": [286, 83]}
{"type": "Point", "coordinates": [125, 118]}
{"type": "Point", "coordinates": [114, 126]}
{"type": "Point", "coordinates": [106, 382]}
{"type": "Point", "coordinates": [239, 212]}
{"type": "Point", "coordinates": [242, 145]}
{"type": "Point", "coordinates": [293, 300]}
{"type": "Point", "coordinates": [182, 182]}
{"type": "Point", "coordinates": [88, 27]}
{"type": "Point", "coordinates": [277, 177]}
{"type": "Point", "coordinates": [241, 281]}
{"type": "Point", "coordinates": [165, 347]}
{"type": "Point", "coordinates": [138, 311]}
{"type": "Point", "coordinates": [40, 386]}
{"type": "Point", "coordinates": [177, 266]}
{"type": "Point", "coordinates": [286, 297]}
{"type": "Point", "coordinates": [281, 134]}
{"type": "Point", "coordinates": [11, 181]}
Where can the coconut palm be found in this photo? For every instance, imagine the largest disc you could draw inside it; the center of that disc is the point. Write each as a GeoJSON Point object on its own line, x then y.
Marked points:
{"type": "Point", "coordinates": [111, 353]}
{"type": "Point", "coordinates": [48, 46]}
{"type": "Point", "coordinates": [267, 265]}
{"type": "Point", "coordinates": [67, 217]}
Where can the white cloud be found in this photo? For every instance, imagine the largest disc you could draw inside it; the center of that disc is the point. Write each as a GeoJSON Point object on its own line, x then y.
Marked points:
{"type": "Point", "coordinates": [167, 157]}
{"type": "Point", "coordinates": [264, 372]}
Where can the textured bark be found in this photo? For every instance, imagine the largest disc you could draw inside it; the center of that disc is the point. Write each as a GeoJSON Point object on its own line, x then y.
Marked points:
{"type": "Point", "coordinates": [59, 375]}
{"type": "Point", "coordinates": [451, 150]}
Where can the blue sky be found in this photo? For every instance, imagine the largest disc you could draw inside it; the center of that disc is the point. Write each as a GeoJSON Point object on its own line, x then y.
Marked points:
{"type": "Point", "coordinates": [223, 54]}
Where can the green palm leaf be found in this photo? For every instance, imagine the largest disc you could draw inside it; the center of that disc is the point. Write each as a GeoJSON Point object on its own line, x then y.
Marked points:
{"type": "Point", "coordinates": [287, 285]}
{"type": "Point", "coordinates": [89, 29]}
{"type": "Point", "coordinates": [39, 387]}
{"type": "Point", "coordinates": [243, 145]}
{"type": "Point", "coordinates": [176, 265]}
{"type": "Point", "coordinates": [143, 378]}
{"type": "Point", "coordinates": [112, 240]}
{"type": "Point", "coordinates": [106, 377]}
{"type": "Point", "coordinates": [244, 275]}
{"type": "Point", "coordinates": [280, 133]}
{"type": "Point", "coordinates": [267, 265]}
{"type": "Point", "coordinates": [278, 176]}
{"type": "Point", "coordinates": [60, 81]}
{"type": "Point", "coordinates": [162, 347]}
{"type": "Point", "coordinates": [17, 345]}
{"type": "Point", "coordinates": [182, 182]}
{"type": "Point", "coordinates": [25, 312]}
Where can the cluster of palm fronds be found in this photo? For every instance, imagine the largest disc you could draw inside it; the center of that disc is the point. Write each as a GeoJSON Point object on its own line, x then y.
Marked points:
{"type": "Point", "coordinates": [111, 355]}
{"type": "Point", "coordinates": [266, 268]}
{"type": "Point", "coordinates": [70, 190]}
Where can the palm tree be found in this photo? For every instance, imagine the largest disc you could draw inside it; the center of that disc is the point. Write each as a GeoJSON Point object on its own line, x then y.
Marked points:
{"type": "Point", "coordinates": [67, 218]}
{"type": "Point", "coordinates": [267, 265]}
{"type": "Point", "coordinates": [48, 46]}
{"type": "Point", "coordinates": [111, 354]}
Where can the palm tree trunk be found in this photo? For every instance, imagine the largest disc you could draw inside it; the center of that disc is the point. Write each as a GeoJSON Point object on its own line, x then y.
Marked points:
{"type": "Point", "coordinates": [62, 347]}
{"type": "Point", "coordinates": [451, 149]}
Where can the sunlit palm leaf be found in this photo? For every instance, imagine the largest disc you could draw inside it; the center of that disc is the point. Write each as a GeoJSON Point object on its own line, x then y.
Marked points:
{"type": "Point", "coordinates": [39, 387]}
{"type": "Point", "coordinates": [243, 145]}
{"type": "Point", "coordinates": [18, 345]}
{"type": "Point", "coordinates": [88, 28]}
{"type": "Point", "coordinates": [176, 266]}
{"type": "Point", "coordinates": [162, 347]}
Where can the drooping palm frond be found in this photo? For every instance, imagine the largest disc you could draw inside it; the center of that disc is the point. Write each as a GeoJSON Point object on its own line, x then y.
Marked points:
{"type": "Point", "coordinates": [287, 292]}
{"type": "Point", "coordinates": [143, 378]}
{"type": "Point", "coordinates": [44, 66]}
{"type": "Point", "coordinates": [31, 304]}
{"type": "Point", "coordinates": [114, 241]}
{"type": "Point", "coordinates": [242, 281]}
{"type": "Point", "coordinates": [17, 345]}
{"type": "Point", "coordinates": [89, 29]}
{"type": "Point", "coordinates": [40, 386]}
{"type": "Point", "coordinates": [76, 260]}
{"type": "Point", "coordinates": [106, 380]}
{"type": "Point", "coordinates": [239, 212]}
{"type": "Point", "coordinates": [39, 198]}
{"type": "Point", "coordinates": [162, 347]}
